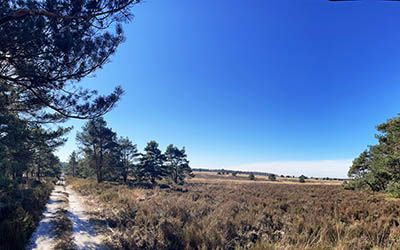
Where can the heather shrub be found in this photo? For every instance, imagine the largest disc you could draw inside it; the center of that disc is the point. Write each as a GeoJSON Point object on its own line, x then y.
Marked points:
{"type": "Point", "coordinates": [20, 209]}
{"type": "Point", "coordinates": [250, 216]}
{"type": "Point", "coordinates": [393, 188]}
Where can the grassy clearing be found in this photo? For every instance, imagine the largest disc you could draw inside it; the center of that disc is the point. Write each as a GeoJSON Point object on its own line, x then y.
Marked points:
{"type": "Point", "coordinates": [257, 215]}
{"type": "Point", "coordinates": [20, 209]}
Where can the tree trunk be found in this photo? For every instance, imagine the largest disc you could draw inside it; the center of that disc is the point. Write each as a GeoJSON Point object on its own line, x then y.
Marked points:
{"type": "Point", "coordinates": [100, 165]}
{"type": "Point", "coordinates": [38, 173]}
{"type": "Point", "coordinates": [73, 169]}
{"type": "Point", "coordinates": [125, 178]}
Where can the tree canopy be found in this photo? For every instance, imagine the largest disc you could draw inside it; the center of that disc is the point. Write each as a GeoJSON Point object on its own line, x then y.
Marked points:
{"type": "Point", "coordinates": [97, 140]}
{"type": "Point", "coordinates": [48, 46]}
{"type": "Point", "coordinates": [378, 167]}
{"type": "Point", "coordinates": [177, 163]}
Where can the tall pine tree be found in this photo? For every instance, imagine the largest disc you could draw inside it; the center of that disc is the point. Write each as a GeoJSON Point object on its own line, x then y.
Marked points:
{"type": "Point", "coordinates": [151, 166]}
{"type": "Point", "coordinates": [128, 154]}
{"type": "Point", "coordinates": [177, 163]}
{"type": "Point", "coordinates": [95, 140]}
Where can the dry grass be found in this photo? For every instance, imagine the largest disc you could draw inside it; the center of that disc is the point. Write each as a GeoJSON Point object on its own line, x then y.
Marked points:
{"type": "Point", "coordinates": [213, 178]}
{"type": "Point", "coordinates": [255, 215]}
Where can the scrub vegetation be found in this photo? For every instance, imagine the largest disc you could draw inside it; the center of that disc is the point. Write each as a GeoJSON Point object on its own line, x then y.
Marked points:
{"type": "Point", "coordinates": [243, 215]}
{"type": "Point", "coordinates": [20, 208]}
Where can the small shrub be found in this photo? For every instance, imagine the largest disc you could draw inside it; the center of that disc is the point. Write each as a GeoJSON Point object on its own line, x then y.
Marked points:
{"type": "Point", "coordinates": [302, 178]}
{"type": "Point", "coordinates": [4, 182]}
{"type": "Point", "coordinates": [164, 186]}
{"type": "Point", "coordinates": [355, 184]}
{"type": "Point", "coordinates": [20, 210]}
{"type": "Point", "coordinates": [393, 188]}
{"type": "Point", "coordinates": [252, 177]}
{"type": "Point", "coordinates": [272, 177]}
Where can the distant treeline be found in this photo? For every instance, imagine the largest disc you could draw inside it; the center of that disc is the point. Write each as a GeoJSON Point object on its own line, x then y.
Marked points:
{"type": "Point", "coordinates": [234, 172]}
{"type": "Point", "coordinates": [227, 171]}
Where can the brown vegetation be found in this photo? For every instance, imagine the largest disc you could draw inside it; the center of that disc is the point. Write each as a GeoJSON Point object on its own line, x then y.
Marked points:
{"type": "Point", "coordinates": [212, 177]}
{"type": "Point", "coordinates": [257, 215]}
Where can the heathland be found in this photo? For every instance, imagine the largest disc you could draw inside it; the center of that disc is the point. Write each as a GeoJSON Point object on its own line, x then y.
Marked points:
{"type": "Point", "coordinates": [219, 212]}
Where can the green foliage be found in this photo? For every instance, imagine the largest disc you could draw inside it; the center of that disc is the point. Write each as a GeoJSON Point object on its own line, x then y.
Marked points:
{"type": "Point", "coordinates": [355, 184]}
{"type": "Point", "coordinates": [109, 158]}
{"type": "Point", "coordinates": [20, 209]}
{"type": "Point", "coordinates": [49, 46]}
{"type": "Point", "coordinates": [302, 179]}
{"type": "Point", "coordinates": [5, 182]}
{"type": "Point", "coordinates": [393, 188]}
{"type": "Point", "coordinates": [98, 143]}
{"type": "Point", "coordinates": [128, 156]}
{"type": "Point", "coordinates": [272, 177]}
{"type": "Point", "coordinates": [46, 48]}
{"type": "Point", "coordinates": [177, 163]}
{"type": "Point", "coordinates": [252, 177]}
{"type": "Point", "coordinates": [72, 164]}
{"type": "Point", "coordinates": [378, 167]}
{"type": "Point", "coordinates": [151, 166]}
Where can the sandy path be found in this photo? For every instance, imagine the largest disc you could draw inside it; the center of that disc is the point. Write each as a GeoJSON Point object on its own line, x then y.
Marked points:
{"type": "Point", "coordinates": [83, 234]}
{"type": "Point", "coordinates": [43, 236]}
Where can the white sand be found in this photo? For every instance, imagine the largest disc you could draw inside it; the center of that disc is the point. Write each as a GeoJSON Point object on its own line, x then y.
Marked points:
{"type": "Point", "coordinates": [83, 233]}
{"type": "Point", "coordinates": [43, 236]}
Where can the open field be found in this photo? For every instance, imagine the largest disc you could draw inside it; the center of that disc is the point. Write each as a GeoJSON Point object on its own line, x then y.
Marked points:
{"type": "Point", "coordinates": [226, 214]}
{"type": "Point", "coordinates": [213, 177]}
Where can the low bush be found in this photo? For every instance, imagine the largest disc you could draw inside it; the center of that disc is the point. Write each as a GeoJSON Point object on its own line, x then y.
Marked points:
{"type": "Point", "coordinates": [20, 209]}
{"type": "Point", "coordinates": [393, 188]}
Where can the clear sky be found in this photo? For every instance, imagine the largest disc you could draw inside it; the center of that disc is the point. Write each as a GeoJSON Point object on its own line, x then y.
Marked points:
{"type": "Point", "coordinates": [280, 85]}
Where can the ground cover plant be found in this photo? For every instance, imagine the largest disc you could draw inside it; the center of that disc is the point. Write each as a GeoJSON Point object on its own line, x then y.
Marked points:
{"type": "Point", "coordinates": [256, 215]}
{"type": "Point", "coordinates": [20, 208]}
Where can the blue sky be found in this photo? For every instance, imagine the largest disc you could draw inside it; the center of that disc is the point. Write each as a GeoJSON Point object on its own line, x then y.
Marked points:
{"type": "Point", "coordinates": [285, 86]}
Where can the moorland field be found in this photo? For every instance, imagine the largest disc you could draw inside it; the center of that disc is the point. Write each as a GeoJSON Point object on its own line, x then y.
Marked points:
{"type": "Point", "coordinates": [217, 212]}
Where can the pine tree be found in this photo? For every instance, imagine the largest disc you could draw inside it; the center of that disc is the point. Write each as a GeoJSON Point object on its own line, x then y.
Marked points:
{"type": "Point", "coordinates": [95, 139]}
{"type": "Point", "coordinates": [128, 154]}
{"type": "Point", "coordinates": [151, 166]}
{"type": "Point", "coordinates": [47, 46]}
{"type": "Point", "coordinates": [177, 163]}
{"type": "Point", "coordinates": [73, 163]}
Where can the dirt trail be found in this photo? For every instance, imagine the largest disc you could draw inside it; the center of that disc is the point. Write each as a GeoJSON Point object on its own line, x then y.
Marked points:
{"type": "Point", "coordinates": [83, 234]}
{"type": "Point", "coordinates": [43, 236]}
